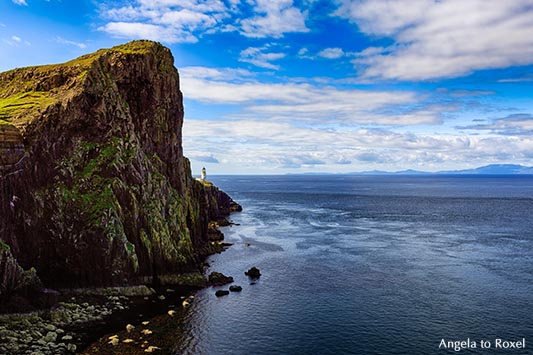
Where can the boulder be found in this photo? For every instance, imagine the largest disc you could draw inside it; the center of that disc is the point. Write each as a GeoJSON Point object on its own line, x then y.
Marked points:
{"type": "Point", "coordinates": [235, 288]}
{"type": "Point", "coordinates": [253, 273]}
{"type": "Point", "coordinates": [219, 279]}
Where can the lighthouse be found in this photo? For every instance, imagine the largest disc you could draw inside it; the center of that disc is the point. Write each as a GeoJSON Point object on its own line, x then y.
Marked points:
{"type": "Point", "coordinates": [203, 173]}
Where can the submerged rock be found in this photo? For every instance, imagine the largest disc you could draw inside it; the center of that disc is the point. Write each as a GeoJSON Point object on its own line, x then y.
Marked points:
{"type": "Point", "coordinates": [253, 273]}
{"type": "Point", "coordinates": [221, 293]}
{"type": "Point", "coordinates": [235, 288]}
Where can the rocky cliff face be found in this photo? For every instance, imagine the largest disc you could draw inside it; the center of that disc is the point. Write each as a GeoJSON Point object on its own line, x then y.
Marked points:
{"type": "Point", "coordinates": [94, 188]}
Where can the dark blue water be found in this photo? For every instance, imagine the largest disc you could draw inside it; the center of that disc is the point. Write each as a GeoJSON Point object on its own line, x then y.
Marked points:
{"type": "Point", "coordinates": [371, 265]}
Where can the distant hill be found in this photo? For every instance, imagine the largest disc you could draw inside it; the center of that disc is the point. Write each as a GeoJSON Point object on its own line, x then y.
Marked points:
{"type": "Point", "coordinates": [492, 169]}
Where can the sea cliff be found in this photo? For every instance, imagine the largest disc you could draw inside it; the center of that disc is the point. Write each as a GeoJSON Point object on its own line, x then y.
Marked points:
{"type": "Point", "coordinates": [94, 188]}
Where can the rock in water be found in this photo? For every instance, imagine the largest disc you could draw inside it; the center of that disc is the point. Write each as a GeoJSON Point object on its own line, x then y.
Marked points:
{"type": "Point", "coordinates": [219, 279]}
{"type": "Point", "coordinates": [253, 273]}
{"type": "Point", "coordinates": [221, 293]}
{"type": "Point", "coordinates": [95, 188]}
{"type": "Point", "coordinates": [235, 288]}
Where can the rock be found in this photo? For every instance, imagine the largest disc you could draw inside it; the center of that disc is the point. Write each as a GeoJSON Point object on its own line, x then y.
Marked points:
{"type": "Point", "coordinates": [146, 332]}
{"type": "Point", "coordinates": [50, 337]}
{"type": "Point", "coordinates": [130, 328]}
{"type": "Point", "coordinates": [221, 293]}
{"type": "Point", "coordinates": [72, 348]}
{"type": "Point", "coordinates": [235, 288]}
{"type": "Point", "coordinates": [219, 279]}
{"type": "Point", "coordinates": [145, 323]}
{"type": "Point", "coordinates": [50, 327]}
{"type": "Point", "coordinates": [185, 303]}
{"type": "Point", "coordinates": [162, 298]}
{"type": "Point", "coordinates": [114, 341]}
{"type": "Point", "coordinates": [253, 273]}
{"type": "Point", "coordinates": [92, 167]}
{"type": "Point", "coordinates": [66, 338]}
{"type": "Point", "coordinates": [151, 349]}
{"type": "Point", "coordinates": [127, 341]}
{"type": "Point", "coordinates": [171, 313]}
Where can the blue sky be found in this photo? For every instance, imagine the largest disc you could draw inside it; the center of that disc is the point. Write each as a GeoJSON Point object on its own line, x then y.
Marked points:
{"type": "Point", "coordinates": [282, 86]}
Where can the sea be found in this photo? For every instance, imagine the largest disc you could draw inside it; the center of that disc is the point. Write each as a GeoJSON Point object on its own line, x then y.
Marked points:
{"type": "Point", "coordinates": [372, 265]}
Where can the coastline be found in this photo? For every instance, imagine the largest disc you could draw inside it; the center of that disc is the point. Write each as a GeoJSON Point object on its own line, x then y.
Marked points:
{"type": "Point", "coordinates": [82, 319]}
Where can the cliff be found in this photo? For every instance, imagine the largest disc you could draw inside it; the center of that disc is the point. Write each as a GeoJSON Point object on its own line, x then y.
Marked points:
{"type": "Point", "coordinates": [94, 187]}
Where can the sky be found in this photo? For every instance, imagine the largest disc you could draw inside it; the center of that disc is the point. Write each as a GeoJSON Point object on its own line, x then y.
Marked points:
{"type": "Point", "coordinates": [336, 86]}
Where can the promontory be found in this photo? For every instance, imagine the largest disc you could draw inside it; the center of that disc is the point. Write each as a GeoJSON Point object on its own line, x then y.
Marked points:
{"type": "Point", "coordinates": [94, 188]}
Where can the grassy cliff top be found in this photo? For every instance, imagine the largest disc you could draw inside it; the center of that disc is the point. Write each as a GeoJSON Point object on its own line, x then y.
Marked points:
{"type": "Point", "coordinates": [25, 93]}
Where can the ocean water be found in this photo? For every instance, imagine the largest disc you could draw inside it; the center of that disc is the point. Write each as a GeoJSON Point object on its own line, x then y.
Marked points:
{"type": "Point", "coordinates": [371, 265]}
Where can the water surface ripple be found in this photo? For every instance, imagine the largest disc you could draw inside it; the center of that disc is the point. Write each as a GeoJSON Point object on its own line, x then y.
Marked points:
{"type": "Point", "coordinates": [371, 265]}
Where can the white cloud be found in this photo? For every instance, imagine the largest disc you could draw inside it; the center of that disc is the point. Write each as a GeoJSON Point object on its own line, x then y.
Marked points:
{"type": "Point", "coordinates": [331, 53]}
{"type": "Point", "coordinates": [164, 20]}
{"type": "Point", "coordinates": [275, 17]}
{"type": "Point", "coordinates": [252, 143]}
{"type": "Point", "coordinates": [181, 21]}
{"type": "Point", "coordinates": [20, 2]}
{"type": "Point", "coordinates": [71, 43]}
{"type": "Point", "coordinates": [187, 18]}
{"type": "Point", "coordinates": [147, 31]}
{"type": "Point", "coordinates": [516, 124]}
{"type": "Point", "coordinates": [279, 127]}
{"type": "Point", "coordinates": [438, 39]}
{"type": "Point", "coordinates": [309, 102]}
{"type": "Point", "coordinates": [15, 41]}
{"type": "Point", "coordinates": [258, 57]}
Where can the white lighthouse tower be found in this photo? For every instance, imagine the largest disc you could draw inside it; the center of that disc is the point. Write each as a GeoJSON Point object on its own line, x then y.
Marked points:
{"type": "Point", "coordinates": [203, 173]}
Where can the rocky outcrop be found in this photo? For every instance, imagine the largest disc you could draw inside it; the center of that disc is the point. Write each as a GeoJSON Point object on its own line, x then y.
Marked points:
{"type": "Point", "coordinates": [94, 188]}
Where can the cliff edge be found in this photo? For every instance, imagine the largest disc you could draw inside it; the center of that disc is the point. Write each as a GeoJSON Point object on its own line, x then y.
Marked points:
{"type": "Point", "coordinates": [94, 187]}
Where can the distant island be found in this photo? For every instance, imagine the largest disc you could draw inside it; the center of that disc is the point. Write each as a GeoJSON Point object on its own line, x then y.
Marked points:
{"type": "Point", "coordinates": [492, 169]}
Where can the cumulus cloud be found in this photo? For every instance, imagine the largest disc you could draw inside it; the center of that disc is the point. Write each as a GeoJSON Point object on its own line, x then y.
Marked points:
{"type": "Point", "coordinates": [187, 20]}
{"type": "Point", "coordinates": [20, 2]}
{"type": "Point", "coordinates": [164, 20]}
{"type": "Point", "coordinates": [331, 53]}
{"type": "Point", "coordinates": [516, 124]}
{"type": "Point", "coordinates": [308, 102]}
{"type": "Point", "coordinates": [260, 58]}
{"type": "Point", "coordinates": [254, 143]}
{"type": "Point", "coordinates": [439, 39]}
{"type": "Point", "coordinates": [147, 31]}
{"type": "Point", "coordinates": [275, 17]}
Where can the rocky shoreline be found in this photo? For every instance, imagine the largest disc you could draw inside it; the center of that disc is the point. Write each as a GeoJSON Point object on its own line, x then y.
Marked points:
{"type": "Point", "coordinates": [82, 318]}
{"type": "Point", "coordinates": [59, 330]}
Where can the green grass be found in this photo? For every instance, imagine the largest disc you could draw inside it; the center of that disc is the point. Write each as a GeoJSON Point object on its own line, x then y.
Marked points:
{"type": "Point", "coordinates": [205, 183]}
{"type": "Point", "coordinates": [4, 246]}
{"type": "Point", "coordinates": [23, 104]}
